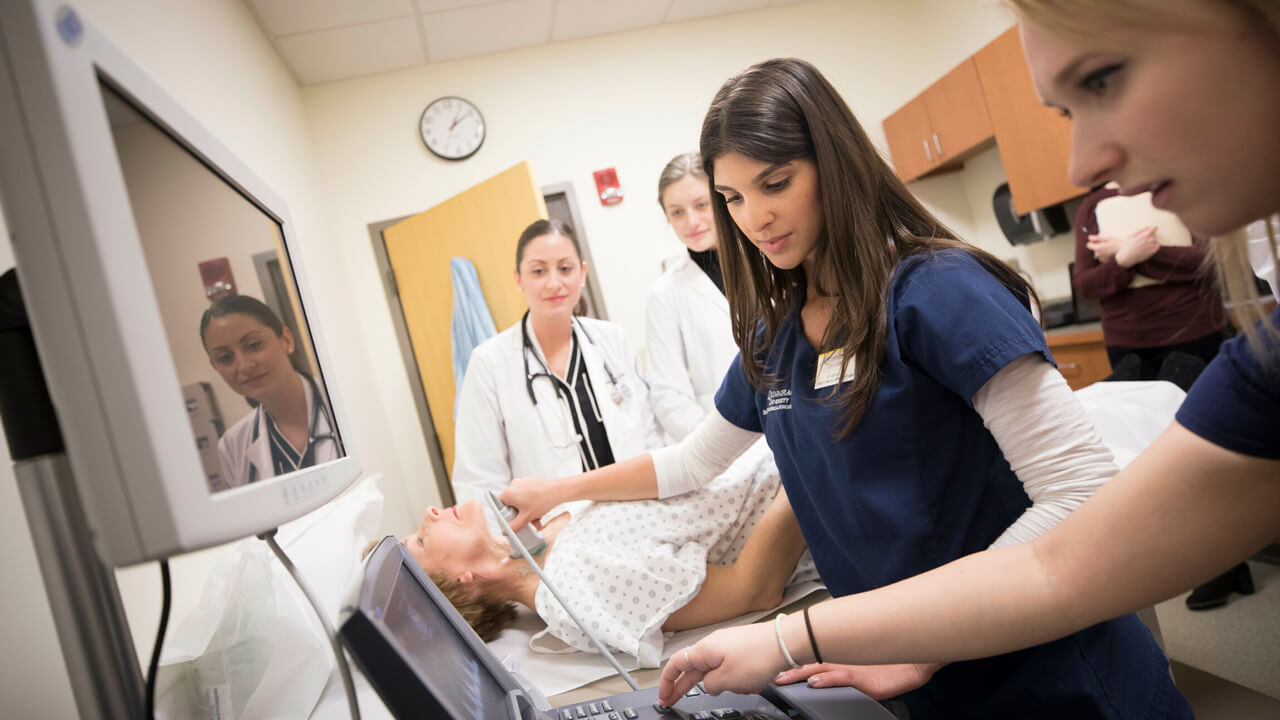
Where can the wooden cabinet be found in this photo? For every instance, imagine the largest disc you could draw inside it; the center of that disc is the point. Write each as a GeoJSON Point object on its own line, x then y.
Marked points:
{"type": "Point", "coordinates": [1082, 357]}
{"type": "Point", "coordinates": [988, 96]}
{"type": "Point", "coordinates": [941, 127]}
{"type": "Point", "coordinates": [1034, 141]}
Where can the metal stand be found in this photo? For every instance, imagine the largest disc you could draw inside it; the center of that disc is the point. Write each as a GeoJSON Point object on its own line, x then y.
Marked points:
{"type": "Point", "coordinates": [92, 629]}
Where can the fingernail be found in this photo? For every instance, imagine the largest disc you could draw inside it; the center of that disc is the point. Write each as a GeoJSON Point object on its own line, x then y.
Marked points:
{"type": "Point", "coordinates": [780, 675]}
{"type": "Point", "coordinates": [813, 680]}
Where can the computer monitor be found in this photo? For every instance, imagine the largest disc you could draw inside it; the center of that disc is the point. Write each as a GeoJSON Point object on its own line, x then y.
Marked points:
{"type": "Point", "coordinates": [128, 218]}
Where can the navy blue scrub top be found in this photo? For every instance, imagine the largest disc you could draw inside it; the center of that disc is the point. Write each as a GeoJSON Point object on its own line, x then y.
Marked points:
{"type": "Point", "coordinates": [1235, 403]}
{"type": "Point", "coordinates": [921, 482]}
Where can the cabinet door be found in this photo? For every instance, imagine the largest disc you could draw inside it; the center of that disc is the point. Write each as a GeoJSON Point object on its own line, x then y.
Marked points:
{"type": "Point", "coordinates": [1034, 140]}
{"type": "Point", "coordinates": [907, 132]}
{"type": "Point", "coordinates": [957, 112]}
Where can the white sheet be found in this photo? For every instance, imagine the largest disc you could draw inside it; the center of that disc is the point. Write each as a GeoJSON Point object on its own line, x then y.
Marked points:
{"type": "Point", "coordinates": [554, 674]}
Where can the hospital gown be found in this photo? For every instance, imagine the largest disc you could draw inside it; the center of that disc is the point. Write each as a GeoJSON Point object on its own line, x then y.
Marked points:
{"type": "Point", "coordinates": [627, 566]}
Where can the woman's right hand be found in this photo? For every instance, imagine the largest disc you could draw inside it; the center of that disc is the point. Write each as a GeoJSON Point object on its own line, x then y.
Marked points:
{"type": "Point", "coordinates": [532, 498]}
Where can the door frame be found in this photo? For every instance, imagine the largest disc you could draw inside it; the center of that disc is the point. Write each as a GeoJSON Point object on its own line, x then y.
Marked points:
{"type": "Point", "coordinates": [392, 292]}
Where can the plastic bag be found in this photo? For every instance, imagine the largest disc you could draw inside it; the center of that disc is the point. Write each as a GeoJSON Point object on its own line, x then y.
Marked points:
{"type": "Point", "coordinates": [253, 647]}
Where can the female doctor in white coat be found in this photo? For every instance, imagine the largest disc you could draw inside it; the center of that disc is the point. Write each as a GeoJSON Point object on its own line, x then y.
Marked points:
{"type": "Point", "coordinates": [290, 426]}
{"type": "Point", "coordinates": [689, 338]}
{"type": "Point", "coordinates": [554, 394]}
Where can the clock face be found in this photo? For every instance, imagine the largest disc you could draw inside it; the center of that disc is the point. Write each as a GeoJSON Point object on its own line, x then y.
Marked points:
{"type": "Point", "coordinates": [452, 128]}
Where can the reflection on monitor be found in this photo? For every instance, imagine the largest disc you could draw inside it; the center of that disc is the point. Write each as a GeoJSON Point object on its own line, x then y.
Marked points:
{"type": "Point", "coordinates": [193, 412]}
{"type": "Point", "coordinates": [418, 651]}
{"type": "Point", "coordinates": [427, 639]}
{"type": "Point", "coordinates": [261, 409]}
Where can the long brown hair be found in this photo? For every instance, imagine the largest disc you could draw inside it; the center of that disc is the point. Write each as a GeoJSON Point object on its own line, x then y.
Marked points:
{"type": "Point", "coordinates": [782, 110]}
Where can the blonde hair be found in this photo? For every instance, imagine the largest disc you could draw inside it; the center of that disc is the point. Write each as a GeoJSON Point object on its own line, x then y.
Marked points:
{"type": "Point", "coordinates": [1077, 21]}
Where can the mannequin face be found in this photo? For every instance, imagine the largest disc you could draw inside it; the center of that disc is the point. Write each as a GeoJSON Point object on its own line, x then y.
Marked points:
{"type": "Point", "coordinates": [249, 356]}
{"type": "Point", "coordinates": [1187, 110]}
{"type": "Point", "coordinates": [687, 203]}
{"type": "Point", "coordinates": [455, 542]}
{"type": "Point", "coordinates": [551, 276]}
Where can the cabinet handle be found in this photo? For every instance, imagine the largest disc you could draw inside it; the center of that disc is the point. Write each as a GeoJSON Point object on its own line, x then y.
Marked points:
{"type": "Point", "coordinates": [927, 152]}
{"type": "Point", "coordinates": [937, 145]}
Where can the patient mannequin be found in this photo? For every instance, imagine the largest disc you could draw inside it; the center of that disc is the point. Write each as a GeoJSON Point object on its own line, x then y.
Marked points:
{"type": "Point", "coordinates": [633, 569]}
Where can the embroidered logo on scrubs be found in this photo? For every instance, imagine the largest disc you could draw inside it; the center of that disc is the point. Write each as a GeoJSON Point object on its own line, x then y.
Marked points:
{"type": "Point", "coordinates": [778, 400]}
{"type": "Point", "coordinates": [829, 369]}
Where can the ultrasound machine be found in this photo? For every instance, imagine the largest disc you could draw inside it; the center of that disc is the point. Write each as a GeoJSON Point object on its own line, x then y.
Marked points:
{"type": "Point", "coordinates": [426, 662]}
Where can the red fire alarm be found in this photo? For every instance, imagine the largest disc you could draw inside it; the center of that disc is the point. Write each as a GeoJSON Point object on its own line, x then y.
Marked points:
{"type": "Point", "coordinates": [217, 280]}
{"type": "Point", "coordinates": [607, 187]}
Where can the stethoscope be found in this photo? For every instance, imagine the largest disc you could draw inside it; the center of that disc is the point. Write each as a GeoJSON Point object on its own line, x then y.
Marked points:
{"type": "Point", "coordinates": [317, 406]}
{"type": "Point", "coordinates": [619, 392]}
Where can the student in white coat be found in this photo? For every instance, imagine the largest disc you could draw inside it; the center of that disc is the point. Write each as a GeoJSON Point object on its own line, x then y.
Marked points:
{"type": "Point", "coordinates": [290, 426]}
{"type": "Point", "coordinates": [554, 394]}
{"type": "Point", "coordinates": [689, 337]}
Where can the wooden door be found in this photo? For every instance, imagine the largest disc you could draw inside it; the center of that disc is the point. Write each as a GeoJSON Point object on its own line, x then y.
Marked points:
{"type": "Point", "coordinates": [1034, 140]}
{"type": "Point", "coordinates": [908, 134]}
{"type": "Point", "coordinates": [957, 113]}
{"type": "Point", "coordinates": [482, 225]}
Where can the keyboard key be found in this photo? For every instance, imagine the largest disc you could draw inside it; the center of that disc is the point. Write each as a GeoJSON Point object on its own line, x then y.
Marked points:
{"type": "Point", "coordinates": [661, 709]}
{"type": "Point", "coordinates": [594, 708]}
{"type": "Point", "coordinates": [726, 713]}
{"type": "Point", "coordinates": [630, 714]}
{"type": "Point", "coordinates": [693, 692]}
{"type": "Point", "coordinates": [566, 714]}
{"type": "Point", "coordinates": [701, 715]}
{"type": "Point", "coordinates": [582, 712]}
{"type": "Point", "coordinates": [606, 706]}
{"type": "Point", "coordinates": [614, 716]}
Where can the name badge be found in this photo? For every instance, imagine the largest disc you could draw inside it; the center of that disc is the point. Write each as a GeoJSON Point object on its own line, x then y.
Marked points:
{"type": "Point", "coordinates": [828, 372]}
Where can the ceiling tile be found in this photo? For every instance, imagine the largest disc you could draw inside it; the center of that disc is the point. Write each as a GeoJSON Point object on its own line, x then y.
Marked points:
{"type": "Point", "coordinates": [487, 28]}
{"type": "Point", "coordinates": [580, 18]}
{"type": "Point", "coordinates": [357, 50]}
{"type": "Point", "coordinates": [289, 17]}
{"type": "Point", "coordinates": [692, 9]}
{"type": "Point", "coordinates": [430, 6]}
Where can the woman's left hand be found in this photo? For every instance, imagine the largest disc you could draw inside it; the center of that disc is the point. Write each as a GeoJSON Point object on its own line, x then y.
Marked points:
{"type": "Point", "coordinates": [739, 659]}
{"type": "Point", "coordinates": [878, 682]}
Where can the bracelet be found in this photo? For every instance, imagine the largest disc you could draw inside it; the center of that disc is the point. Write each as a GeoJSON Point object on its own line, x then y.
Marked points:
{"type": "Point", "coordinates": [777, 629]}
{"type": "Point", "coordinates": [817, 656]}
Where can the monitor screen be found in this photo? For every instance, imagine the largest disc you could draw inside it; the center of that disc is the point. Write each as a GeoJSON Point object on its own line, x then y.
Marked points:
{"type": "Point", "coordinates": [230, 309]}
{"type": "Point", "coordinates": [428, 641]}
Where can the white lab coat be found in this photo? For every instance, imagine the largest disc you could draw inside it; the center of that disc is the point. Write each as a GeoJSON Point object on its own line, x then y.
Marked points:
{"type": "Point", "coordinates": [498, 433]}
{"type": "Point", "coordinates": [689, 346]}
{"type": "Point", "coordinates": [247, 444]}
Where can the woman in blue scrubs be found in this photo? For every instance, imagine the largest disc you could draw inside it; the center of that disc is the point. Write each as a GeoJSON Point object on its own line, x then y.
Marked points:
{"type": "Point", "coordinates": [905, 389]}
{"type": "Point", "coordinates": [1180, 99]}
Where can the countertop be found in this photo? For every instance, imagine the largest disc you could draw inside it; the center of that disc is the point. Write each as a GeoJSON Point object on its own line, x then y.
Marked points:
{"type": "Point", "coordinates": [1074, 328]}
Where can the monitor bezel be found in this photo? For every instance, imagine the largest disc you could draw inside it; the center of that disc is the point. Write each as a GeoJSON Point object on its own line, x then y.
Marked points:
{"type": "Point", "coordinates": [94, 314]}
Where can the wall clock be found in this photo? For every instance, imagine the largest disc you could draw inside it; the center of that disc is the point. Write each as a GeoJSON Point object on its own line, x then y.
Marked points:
{"type": "Point", "coordinates": [452, 128]}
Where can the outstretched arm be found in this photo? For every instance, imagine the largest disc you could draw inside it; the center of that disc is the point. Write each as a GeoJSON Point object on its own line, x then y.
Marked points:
{"type": "Point", "coordinates": [756, 580]}
{"type": "Point", "coordinates": [1179, 513]}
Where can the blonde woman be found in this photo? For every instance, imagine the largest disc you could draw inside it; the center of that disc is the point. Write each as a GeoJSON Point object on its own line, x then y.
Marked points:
{"type": "Point", "coordinates": [1181, 99]}
{"type": "Point", "coordinates": [689, 341]}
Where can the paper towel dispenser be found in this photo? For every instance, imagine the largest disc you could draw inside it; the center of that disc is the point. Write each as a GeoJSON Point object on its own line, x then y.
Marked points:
{"type": "Point", "coordinates": [1032, 227]}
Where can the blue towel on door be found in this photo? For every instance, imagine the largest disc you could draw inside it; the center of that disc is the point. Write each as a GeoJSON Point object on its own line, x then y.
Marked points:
{"type": "Point", "coordinates": [472, 324]}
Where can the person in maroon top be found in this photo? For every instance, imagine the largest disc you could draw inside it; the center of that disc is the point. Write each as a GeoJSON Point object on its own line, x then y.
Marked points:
{"type": "Point", "coordinates": [1144, 326]}
{"type": "Point", "coordinates": [1182, 312]}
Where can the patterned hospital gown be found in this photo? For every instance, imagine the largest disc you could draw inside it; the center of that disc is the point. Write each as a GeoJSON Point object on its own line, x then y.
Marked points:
{"type": "Point", "coordinates": [627, 566]}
